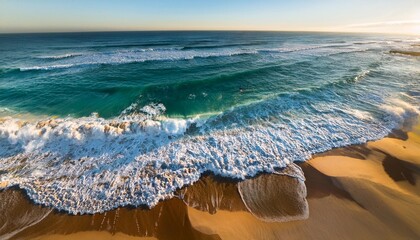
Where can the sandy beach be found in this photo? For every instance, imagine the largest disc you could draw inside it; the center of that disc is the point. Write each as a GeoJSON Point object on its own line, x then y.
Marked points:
{"type": "Point", "coordinates": [208, 120]}
{"type": "Point", "coordinates": [367, 191]}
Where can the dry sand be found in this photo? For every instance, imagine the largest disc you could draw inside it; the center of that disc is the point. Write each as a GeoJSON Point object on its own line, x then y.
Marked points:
{"type": "Point", "coordinates": [368, 191]}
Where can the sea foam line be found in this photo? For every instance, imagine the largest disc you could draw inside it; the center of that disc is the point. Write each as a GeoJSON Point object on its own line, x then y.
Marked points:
{"type": "Point", "coordinates": [133, 56]}
{"type": "Point", "coordinates": [67, 55]}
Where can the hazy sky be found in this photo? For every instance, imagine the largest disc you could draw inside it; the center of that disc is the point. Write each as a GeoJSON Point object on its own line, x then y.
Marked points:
{"type": "Point", "coordinates": [397, 16]}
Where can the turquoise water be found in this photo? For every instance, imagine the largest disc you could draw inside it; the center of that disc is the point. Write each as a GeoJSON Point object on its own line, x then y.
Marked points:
{"type": "Point", "coordinates": [126, 118]}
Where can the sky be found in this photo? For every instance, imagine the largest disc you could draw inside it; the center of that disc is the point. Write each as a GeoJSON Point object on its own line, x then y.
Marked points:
{"type": "Point", "coordinates": [389, 16]}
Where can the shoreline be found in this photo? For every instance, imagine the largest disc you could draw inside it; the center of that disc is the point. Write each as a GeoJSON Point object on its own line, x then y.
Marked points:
{"type": "Point", "coordinates": [368, 190]}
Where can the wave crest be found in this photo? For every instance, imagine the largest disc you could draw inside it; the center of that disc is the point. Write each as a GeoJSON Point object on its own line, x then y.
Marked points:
{"type": "Point", "coordinates": [63, 56]}
{"type": "Point", "coordinates": [133, 56]}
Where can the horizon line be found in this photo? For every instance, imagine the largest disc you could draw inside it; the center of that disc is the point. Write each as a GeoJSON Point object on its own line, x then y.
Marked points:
{"type": "Point", "coordinates": [208, 30]}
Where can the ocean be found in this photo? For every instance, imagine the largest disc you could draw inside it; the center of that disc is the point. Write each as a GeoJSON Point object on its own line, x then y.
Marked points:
{"type": "Point", "coordinates": [93, 121]}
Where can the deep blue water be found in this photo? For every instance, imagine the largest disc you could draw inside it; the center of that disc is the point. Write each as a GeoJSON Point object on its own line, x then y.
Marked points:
{"type": "Point", "coordinates": [160, 108]}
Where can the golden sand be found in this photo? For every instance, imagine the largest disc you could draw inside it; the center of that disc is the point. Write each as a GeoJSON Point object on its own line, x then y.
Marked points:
{"type": "Point", "coordinates": [92, 235]}
{"type": "Point", "coordinates": [4, 184]}
{"type": "Point", "coordinates": [349, 198]}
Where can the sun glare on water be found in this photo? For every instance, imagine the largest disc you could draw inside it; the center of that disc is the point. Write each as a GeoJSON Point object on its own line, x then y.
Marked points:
{"type": "Point", "coordinates": [416, 28]}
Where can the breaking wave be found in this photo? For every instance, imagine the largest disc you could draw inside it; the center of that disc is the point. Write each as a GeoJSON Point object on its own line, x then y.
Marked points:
{"type": "Point", "coordinates": [91, 164]}
{"type": "Point", "coordinates": [133, 56]}
{"type": "Point", "coordinates": [67, 55]}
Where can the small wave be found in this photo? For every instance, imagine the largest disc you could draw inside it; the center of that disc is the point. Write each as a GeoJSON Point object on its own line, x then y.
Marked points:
{"type": "Point", "coordinates": [349, 51]}
{"type": "Point", "coordinates": [50, 67]}
{"type": "Point", "coordinates": [132, 45]}
{"type": "Point", "coordinates": [361, 75]}
{"type": "Point", "coordinates": [9, 70]}
{"type": "Point", "coordinates": [67, 55]}
{"type": "Point", "coordinates": [300, 49]}
{"type": "Point", "coordinates": [5, 110]}
{"type": "Point", "coordinates": [122, 45]}
{"type": "Point", "coordinates": [367, 42]}
{"type": "Point", "coordinates": [219, 46]}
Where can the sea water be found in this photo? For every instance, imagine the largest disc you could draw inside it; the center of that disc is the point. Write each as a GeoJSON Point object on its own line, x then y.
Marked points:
{"type": "Point", "coordinates": [93, 121]}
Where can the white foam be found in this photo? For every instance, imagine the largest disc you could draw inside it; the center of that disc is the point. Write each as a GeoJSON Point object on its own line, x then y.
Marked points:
{"type": "Point", "coordinates": [67, 55]}
{"type": "Point", "coordinates": [132, 56]}
{"type": "Point", "coordinates": [364, 115]}
{"type": "Point", "coordinates": [175, 126]}
{"type": "Point", "coordinates": [361, 75]}
{"type": "Point", "coordinates": [302, 48]}
{"type": "Point", "coordinates": [399, 108]}
{"type": "Point", "coordinates": [91, 164]}
{"type": "Point", "coordinates": [48, 67]}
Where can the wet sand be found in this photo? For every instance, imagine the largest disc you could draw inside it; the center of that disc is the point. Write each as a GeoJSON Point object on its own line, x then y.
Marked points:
{"type": "Point", "coordinates": [368, 191]}
{"type": "Point", "coordinates": [410, 53]}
